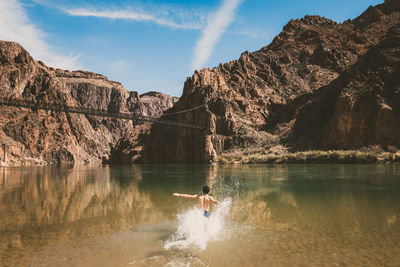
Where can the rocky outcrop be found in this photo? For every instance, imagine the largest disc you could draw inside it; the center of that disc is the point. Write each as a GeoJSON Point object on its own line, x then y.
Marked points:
{"type": "Point", "coordinates": [154, 103]}
{"type": "Point", "coordinates": [42, 137]}
{"type": "Point", "coordinates": [255, 101]}
{"type": "Point", "coordinates": [129, 148]}
{"type": "Point", "coordinates": [319, 84]}
{"type": "Point", "coordinates": [362, 107]}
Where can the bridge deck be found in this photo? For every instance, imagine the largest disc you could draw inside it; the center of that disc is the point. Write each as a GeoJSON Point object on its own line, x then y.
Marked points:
{"type": "Point", "coordinates": [89, 111]}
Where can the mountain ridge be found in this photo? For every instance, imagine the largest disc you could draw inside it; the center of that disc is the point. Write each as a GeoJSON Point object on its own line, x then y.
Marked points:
{"type": "Point", "coordinates": [43, 137]}
{"type": "Point", "coordinates": [254, 101]}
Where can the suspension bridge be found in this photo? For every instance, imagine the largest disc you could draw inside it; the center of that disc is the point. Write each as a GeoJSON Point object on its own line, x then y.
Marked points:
{"type": "Point", "coordinates": [98, 112]}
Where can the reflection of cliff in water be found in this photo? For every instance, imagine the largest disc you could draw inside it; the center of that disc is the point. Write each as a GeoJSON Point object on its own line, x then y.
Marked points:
{"type": "Point", "coordinates": [40, 205]}
{"type": "Point", "coordinates": [310, 199]}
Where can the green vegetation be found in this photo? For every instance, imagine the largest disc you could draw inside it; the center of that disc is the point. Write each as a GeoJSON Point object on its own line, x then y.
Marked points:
{"type": "Point", "coordinates": [280, 154]}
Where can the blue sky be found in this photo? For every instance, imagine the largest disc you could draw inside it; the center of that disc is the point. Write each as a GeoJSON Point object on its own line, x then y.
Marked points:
{"type": "Point", "coordinates": [154, 45]}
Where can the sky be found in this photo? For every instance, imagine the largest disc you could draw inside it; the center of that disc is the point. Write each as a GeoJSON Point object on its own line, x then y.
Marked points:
{"type": "Point", "coordinates": [154, 45]}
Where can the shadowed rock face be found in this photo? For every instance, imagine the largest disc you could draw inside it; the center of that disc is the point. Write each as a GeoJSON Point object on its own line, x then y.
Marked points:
{"type": "Point", "coordinates": [129, 148]}
{"type": "Point", "coordinates": [362, 107]}
{"type": "Point", "coordinates": [37, 136]}
{"type": "Point", "coordinates": [255, 100]}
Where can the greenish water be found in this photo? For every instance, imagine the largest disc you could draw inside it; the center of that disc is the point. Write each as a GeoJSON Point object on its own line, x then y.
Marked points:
{"type": "Point", "coordinates": [270, 215]}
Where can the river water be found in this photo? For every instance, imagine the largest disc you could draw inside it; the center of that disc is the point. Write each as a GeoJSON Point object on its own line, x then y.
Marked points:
{"type": "Point", "coordinates": [269, 215]}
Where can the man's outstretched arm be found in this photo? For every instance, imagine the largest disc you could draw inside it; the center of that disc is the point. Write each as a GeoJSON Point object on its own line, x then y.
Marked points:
{"type": "Point", "coordinates": [184, 196]}
{"type": "Point", "coordinates": [214, 201]}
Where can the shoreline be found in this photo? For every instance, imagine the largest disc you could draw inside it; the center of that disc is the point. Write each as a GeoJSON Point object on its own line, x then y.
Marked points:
{"type": "Point", "coordinates": [255, 157]}
{"type": "Point", "coordinates": [312, 157]}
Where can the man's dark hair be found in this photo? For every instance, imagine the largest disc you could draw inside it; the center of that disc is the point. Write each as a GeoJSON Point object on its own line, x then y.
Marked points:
{"type": "Point", "coordinates": [206, 189]}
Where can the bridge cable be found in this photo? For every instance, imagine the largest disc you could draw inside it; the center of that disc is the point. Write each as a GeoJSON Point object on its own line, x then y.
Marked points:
{"type": "Point", "coordinates": [183, 111]}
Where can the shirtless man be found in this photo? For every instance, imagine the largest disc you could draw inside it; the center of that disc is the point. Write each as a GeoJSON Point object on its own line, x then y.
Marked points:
{"type": "Point", "coordinates": [203, 200]}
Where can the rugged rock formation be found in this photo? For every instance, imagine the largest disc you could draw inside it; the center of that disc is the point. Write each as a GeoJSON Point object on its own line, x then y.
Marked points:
{"type": "Point", "coordinates": [319, 84]}
{"type": "Point", "coordinates": [129, 149]}
{"type": "Point", "coordinates": [255, 101]}
{"type": "Point", "coordinates": [362, 107]}
{"type": "Point", "coordinates": [37, 136]}
{"type": "Point", "coordinates": [154, 103]}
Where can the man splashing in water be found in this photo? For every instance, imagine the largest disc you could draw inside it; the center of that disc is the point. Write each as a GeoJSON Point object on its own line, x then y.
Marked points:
{"type": "Point", "coordinates": [203, 200]}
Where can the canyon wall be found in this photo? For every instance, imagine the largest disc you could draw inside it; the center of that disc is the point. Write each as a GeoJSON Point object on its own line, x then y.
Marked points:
{"type": "Point", "coordinates": [43, 137]}
{"type": "Point", "coordinates": [362, 107]}
{"type": "Point", "coordinates": [270, 96]}
{"type": "Point", "coordinates": [318, 85]}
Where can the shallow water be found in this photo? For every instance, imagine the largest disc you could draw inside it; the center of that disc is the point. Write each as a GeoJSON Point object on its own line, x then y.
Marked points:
{"type": "Point", "coordinates": [270, 215]}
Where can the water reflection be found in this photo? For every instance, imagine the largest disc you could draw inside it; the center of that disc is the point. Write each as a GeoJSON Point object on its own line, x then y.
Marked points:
{"type": "Point", "coordinates": [322, 214]}
{"type": "Point", "coordinates": [41, 205]}
{"type": "Point", "coordinates": [40, 196]}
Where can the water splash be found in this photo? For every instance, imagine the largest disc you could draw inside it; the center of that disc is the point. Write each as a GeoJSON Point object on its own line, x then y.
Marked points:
{"type": "Point", "coordinates": [196, 230]}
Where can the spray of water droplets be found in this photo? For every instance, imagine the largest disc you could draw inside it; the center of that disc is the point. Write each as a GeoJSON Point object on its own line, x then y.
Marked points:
{"type": "Point", "coordinates": [196, 230]}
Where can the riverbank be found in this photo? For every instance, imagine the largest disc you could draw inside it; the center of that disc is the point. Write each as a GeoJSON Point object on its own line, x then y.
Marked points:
{"type": "Point", "coordinates": [274, 155]}
{"type": "Point", "coordinates": [281, 156]}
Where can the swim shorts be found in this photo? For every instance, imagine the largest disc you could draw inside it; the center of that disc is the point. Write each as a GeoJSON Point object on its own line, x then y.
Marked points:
{"type": "Point", "coordinates": [207, 214]}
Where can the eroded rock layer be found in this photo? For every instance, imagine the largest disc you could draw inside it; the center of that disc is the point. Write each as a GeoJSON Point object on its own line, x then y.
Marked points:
{"type": "Point", "coordinates": [362, 107]}
{"type": "Point", "coordinates": [257, 100]}
{"type": "Point", "coordinates": [42, 137]}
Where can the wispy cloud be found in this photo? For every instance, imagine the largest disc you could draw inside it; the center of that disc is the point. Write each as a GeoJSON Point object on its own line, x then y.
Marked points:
{"type": "Point", "coordinates": [119, 65]}
{"type": "Point", "coordinates": [248, 33]}
{"type": "Point", "coordinates": [16, 26]}
{"type": "Point", "coordinates": [166, 20]}
{"type": "Point", "coordinates": [216, 26]}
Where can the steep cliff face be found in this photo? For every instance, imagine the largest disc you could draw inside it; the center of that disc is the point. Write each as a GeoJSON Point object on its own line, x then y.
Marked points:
{"type": "Point", "coordinates": [154, 103]}
{"type": "Point", "coordinates": [129, 148]}
{"type": "Point", "coordinates": [254, 101]}
{"type": "Point", "coordinates": [37, 136]}
{"type": "Point", "coordinates": [362, 107]}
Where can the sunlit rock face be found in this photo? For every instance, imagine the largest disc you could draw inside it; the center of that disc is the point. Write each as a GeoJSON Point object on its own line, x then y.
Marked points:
{"type": "Point", "coordinates": [255, 100]}
{"type": "Point", "coordinates": [154, 103]}
{"type": "Point", "coordinates": [41, 137]}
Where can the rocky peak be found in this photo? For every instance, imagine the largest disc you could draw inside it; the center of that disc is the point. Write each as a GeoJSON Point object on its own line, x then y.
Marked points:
{"type": "Point", "coordinates": [388, 11]}
{"type": "Point", "coordinates": [308, 20]}
{"type": "Point", "coordinates": [13, 53]}
{"type": "Point", "coordinates": [371, 15]}
{"type": "Point", "coordinates": [255, 100]}
{"type": "Point", "coordinates": [390, 6]}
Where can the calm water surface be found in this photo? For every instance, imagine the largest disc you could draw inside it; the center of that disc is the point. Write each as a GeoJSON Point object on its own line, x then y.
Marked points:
{"type": "Point", "coordinates": [270, 215]}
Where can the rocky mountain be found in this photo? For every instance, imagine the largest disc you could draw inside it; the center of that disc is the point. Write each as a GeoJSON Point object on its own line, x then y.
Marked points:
{"type": "Point", "coordinates": [129, 148]}
{"type": "Point", "coordinates": [360, 108]}
{"type": "Point", "coordinates": [41, 137]}
{"type": "Point", "coordinates": [319, 84]}
{"type": "Point", "coordinates": [154, 103]}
